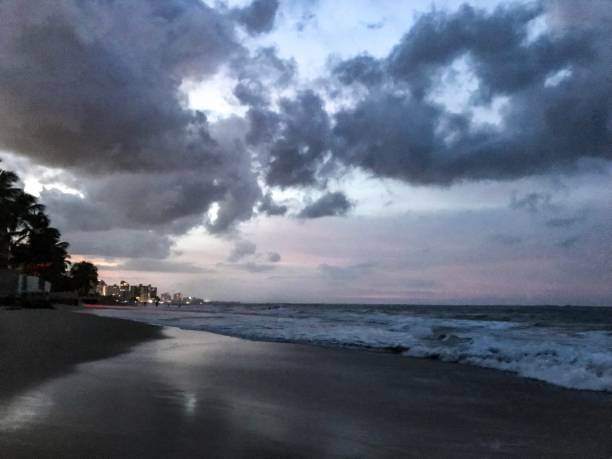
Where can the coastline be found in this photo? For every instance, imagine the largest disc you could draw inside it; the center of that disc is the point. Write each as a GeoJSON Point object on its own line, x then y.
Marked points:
{"type": "Point", "coordinates": [201, 394]}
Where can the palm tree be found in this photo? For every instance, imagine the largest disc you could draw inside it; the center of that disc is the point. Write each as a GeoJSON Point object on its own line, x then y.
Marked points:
{"type": "Point", "coordinates": [84, 277]}
{"type": "Point", "coordinates": [21, 211]}
{"type": "Point", "coordinates": [26, 239]}
{"type": "Point", "coordinates": [42, 253]}
{"type": "Point", "coordinates": [8, 196]}
{"type": "Point", "coordinates": [26, 212]}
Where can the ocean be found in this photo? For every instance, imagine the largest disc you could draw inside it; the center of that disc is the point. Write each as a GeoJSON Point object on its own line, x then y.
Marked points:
{"type": "Point", "coordinates": [566, 346]}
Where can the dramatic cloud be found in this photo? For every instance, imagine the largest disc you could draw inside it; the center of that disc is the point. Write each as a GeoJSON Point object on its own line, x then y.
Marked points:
{"type": "Point", "coordinates": [540, 102]}
{"type": "Point", "coordinates": [361, 69]}
{"type": "Point", "coordinates": [108, 96]}
{"type": "Point", "coordinates": [294, 142]}
{"type": "Point", "coordinates": [119, 243]}
{"type": "Point", "coordinates": [554, 88]}
{"type": "Point", "coordinates": [95, 88]}
{"type": "Point", "coordinates": [260, 75]}
{"type": "Point", "coordinates": [330, 204]}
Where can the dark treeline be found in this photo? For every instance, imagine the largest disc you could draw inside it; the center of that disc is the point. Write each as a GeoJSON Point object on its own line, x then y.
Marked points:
{"type": "Point", "coordinates": [29, 244]}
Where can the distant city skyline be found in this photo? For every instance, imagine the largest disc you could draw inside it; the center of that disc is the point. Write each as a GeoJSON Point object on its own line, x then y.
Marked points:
{"type": "Point", "coordinates": [124, 292]}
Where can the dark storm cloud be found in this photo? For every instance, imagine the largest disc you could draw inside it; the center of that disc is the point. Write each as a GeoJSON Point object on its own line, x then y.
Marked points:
{"type": "Point", "coordinates": [71, 211]}
{"type": "Point", "coordinates": [135, 201]}
{"type": "Point", "coordinates": [361, 69]}
{"type": "Point", "coordinates": [264, 124]}
{"type": "Point", "coordinates": [556, 84]}
{"type": "Point", "coordinates": [97, 226]}
{"type": "Point", "coordinates": [94, 88]}
{"type": "Point", "coordinates": [95, 84]}
{"type": "Point", "coordinates": [119, 243]}
{"type": "Point", "coordinates": [294, 142]}
{"type": "Point", "coordinates": [258, 17]}
{"type": "Point", "coordinates": [330, 204]}
{"type": "Point", "coordinates": [263, 72]}
{"type": "Point", "coordinates": [496, 44]}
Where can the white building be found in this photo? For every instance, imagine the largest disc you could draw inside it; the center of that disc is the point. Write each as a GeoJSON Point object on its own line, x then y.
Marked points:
{"type": "Point", "coordinates": [14, 284]}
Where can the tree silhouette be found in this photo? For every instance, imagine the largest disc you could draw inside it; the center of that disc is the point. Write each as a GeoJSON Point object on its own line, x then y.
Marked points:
{"type": "Point", "coordinates": [27, 241]}
{"type": "Point", "coordinates": [84, 277]}
{"type": "Point", "coordinates": [42, 254]}
{"type": "Point", "coordinates": [9, 193]}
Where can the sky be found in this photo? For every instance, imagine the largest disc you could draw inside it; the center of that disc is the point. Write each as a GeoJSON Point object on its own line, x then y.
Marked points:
{"type": "Point", "coordinates": [371, 151]}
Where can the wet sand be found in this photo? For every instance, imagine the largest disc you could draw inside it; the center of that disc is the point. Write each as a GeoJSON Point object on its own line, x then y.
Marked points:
{"type": "Point", "coordinates": [198, 394]}
{"type": "Point", "coordinates": [39, 343]}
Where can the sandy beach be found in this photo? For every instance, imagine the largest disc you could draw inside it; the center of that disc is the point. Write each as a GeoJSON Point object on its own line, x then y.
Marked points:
{"type": "Point", "coordinates": [74, 385]}
{"type": "Point", "coordinates": [39, 343]}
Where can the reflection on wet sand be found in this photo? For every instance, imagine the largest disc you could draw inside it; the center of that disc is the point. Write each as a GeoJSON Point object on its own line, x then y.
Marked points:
{"type": "Point", "coordinates": [199, 394]}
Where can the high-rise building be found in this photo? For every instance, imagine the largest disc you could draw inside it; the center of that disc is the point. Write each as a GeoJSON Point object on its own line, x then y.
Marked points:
{"type": "Point", "coordinates": [124, 291]}
{"type": "Point", "coordinates": [166, 297]}
{"type": "Point", "coordinates": [112, 290]}
{"type": "Point", "coordinates": [134, 293]}
{"type": "Point", "coordinates": [101, 288]}
{"type": "Point", "coordinates": [142, 293]}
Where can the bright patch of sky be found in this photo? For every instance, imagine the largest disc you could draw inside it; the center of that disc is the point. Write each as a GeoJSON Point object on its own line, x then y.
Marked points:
{"type": "Point", "coordinates": [536, 28]}
{"type": "Point", "coordinates": [311, 31]}
{"type": "Point", "coordinates": [36, 178]}
{"type": "Point", "coordinates": [213, 96]}
{"type": "Point", "coordinates": [558, 77]}
{"type": "Point", "coordinates": [457, 89]}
